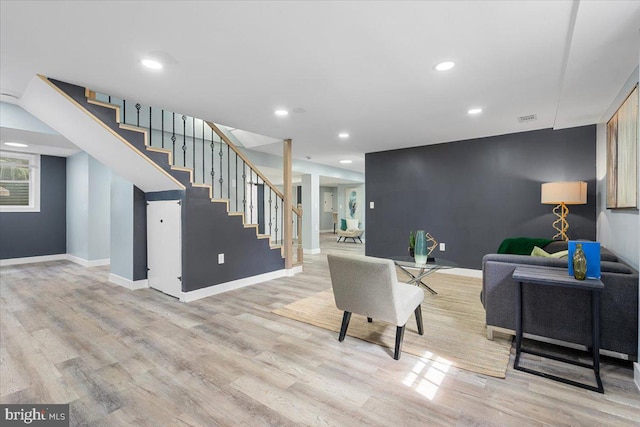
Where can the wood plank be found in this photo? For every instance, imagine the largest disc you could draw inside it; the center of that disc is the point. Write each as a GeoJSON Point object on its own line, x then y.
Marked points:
{"type": "Point", "coordinates": [123, 357]}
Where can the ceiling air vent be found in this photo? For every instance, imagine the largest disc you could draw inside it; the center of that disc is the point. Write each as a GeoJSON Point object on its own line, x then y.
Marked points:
{"type": "Point", "coordinates": [527, 118]}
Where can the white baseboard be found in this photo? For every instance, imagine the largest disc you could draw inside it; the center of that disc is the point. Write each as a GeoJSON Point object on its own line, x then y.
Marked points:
{"type": "Point", "coordinates": [636, 374]}
{"type": "Point", "coordinates": [467, 272]}
{"type": "Point", "coordinates": [237, 284]}
{"type": "Point", "coordinates": [326, 231]}
{"type": "Point", "coordinates": [86, 263]}
{"type": "Point", "coordinates": [129, 284]}
{"type": "Point", "coordinates": [294, 270]}
{"type": "Point", "coordinates": [311, 251]}
{"type": "Point", "coordinates": [32, 259]}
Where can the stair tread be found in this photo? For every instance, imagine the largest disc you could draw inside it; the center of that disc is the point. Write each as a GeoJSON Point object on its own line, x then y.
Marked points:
{"type": "Point", "coordinates": [159, 150]}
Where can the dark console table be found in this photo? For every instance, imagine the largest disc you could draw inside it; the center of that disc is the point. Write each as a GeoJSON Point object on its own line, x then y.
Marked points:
{"type": "Point", "coordinates": [546, 276]}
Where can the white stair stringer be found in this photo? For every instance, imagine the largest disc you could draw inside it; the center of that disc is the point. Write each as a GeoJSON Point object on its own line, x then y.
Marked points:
{"type": "Point", "coordinates": [60, 112]}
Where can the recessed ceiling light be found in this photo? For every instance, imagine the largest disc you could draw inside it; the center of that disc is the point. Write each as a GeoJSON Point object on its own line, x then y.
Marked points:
{"type": "Point", "coordinates": [475, 111]}
{"type": "Point", "coordinates": [343, 135]}
{"type": "Point", "coordinates": [151, 64]}
{"type": "Point", "coordinates": [445, 66]}
{"type": "Point", "coordinates": [16, 144]}
{"type": "Point", "coordinates": [282, 113]}
{"type": "Point", "coordinates": [346, 162]}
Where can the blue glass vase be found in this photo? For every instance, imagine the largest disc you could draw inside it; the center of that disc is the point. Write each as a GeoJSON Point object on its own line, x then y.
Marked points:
{"type": "Point", "coordinates": [421, 251]}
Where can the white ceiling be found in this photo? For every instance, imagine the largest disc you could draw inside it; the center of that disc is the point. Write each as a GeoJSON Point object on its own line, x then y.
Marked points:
{"type": "Point", "coordinates": [361, 67]}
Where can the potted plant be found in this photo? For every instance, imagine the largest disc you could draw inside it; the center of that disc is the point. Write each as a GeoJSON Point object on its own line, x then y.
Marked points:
{"type": "Point", "coordinates": [412, 243]}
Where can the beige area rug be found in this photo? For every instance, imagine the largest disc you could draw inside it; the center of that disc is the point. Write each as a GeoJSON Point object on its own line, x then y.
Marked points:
{"type": "Point", "coordinates": [454, 327]}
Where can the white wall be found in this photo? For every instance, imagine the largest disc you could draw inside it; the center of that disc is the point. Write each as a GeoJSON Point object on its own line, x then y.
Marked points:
{"type": "Point", "coordinates": [12, 116]}
{"type": "Point", "coordinates": [310, 216]}
{"type": "Point", "coordinates": [637, 365]}
{"type": "Point", "coordinates": [99, 210]}
{"type": "Point", "coordinates": [78, 205]}
{"type": "Point", "coordinates": [326, 218]}
{"type": "Point", "coordinates": [88, 208]}
{"type": "Point", "coordinates": [121, 227]}
{"type": "Point", "coordinates": [617, 229]}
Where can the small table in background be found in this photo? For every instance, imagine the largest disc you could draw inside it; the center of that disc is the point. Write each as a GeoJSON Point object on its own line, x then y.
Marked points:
{"type": "Point", "coordinates": [546, 276]}
{"type": "Point", "coordinates": [406, 263]}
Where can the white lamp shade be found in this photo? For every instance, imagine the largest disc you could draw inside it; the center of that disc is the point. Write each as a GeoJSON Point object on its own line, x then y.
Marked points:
{"type": "Point", "coordinates": [569, 193]}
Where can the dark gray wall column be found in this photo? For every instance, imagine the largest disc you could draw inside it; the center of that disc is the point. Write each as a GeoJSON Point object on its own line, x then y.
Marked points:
{"type": "Point", "coordinates": [473, 194]}
{"type": "Point", "coordinates": [29, 234]}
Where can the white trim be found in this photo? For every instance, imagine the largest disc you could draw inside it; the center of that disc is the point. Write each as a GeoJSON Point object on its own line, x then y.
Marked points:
{"type": "Point", "coordinates": [466, 272]}
{"type": "Point", "coordinates": [87, 263]}
{"type": "Point", "coordinates": [311, 251]}
{"type": "Point", "coordinates": [236, 284]}
{"type": "Point", "coordinates": [32, 259]}
{"type": "Point", "coordinates": [636, 374]}
{"type": "Point", "coordinates": [294, 270]}
{"type": "Point", "coordinates": [129, 284]}
{"type": "Point", "coordinates": [34, 182]}
{"type": "Point", "coordinates": [327, 231]}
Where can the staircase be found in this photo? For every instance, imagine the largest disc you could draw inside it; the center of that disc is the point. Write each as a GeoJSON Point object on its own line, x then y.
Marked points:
{"type": "Point", "coordinates": [229, 206]}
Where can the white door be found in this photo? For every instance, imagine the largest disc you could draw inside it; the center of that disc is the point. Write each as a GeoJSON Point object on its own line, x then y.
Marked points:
{"type": "Point", "coordinates": [164, 242]}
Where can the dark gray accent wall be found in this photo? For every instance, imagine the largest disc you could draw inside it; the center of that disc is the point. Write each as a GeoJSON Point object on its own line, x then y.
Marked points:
{"type": "Point", "coordinates": [28, 234]}
{"type": "Point", "coordinates": [139, 234]}
{"type": "Point", "coordinates": [472, 194]}
{"type": "Point", "coordinates": [207, 230]}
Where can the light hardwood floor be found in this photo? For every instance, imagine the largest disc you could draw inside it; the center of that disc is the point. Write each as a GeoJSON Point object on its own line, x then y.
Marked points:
{"type": "Point", "coordinates": [142, 358]}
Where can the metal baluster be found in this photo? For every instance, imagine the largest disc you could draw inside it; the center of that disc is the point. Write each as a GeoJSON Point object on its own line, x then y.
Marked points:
{"type": "Point", "coordinates": [150, 132]}
{"type": "Point", "coordinates": [138, 106]}
{"type": "Point", "coordinates": [270, 211]}
{"type": "Point", "coordinates": [162, 126]}
{"type": "Point", "coordinates": [173, 138]}
{"type": "Point", "coordinates": [124, 111]}
{"type": "Point", "coordinates": [213, 172]}
{"type": "Point", "coordinates": [228, 174]}
{"type": "Point", "coordinates": [184, 141]}
{"type": "Point", "coordinates": [244, 187]}
{"type": "Point", "coordinates": [236, 178]}
{"type": "Point", "coordinates": [193, 147]}
{"type": "Point", "coordinates": [250, 196]}
{"type": "Point", "coordinates": [203, 178]}
{"type": "Point", "coordinates": [220, 180]}
{"type": "Point", "coordinates": [109, 99]}
{"type": "Point", "coordinates": [282, 222]}
{"type": "Point", "coordinates": [276, 230]}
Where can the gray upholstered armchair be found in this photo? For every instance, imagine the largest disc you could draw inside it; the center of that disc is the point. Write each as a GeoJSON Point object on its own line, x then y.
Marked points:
{"type": "Point", "coordinates": [369, 286]}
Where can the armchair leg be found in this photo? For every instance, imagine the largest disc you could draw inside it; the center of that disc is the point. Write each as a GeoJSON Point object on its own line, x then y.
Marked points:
{"type": "Point", "coordinates": [345, 324]}
{"type": "Point", "coordinates": [360, 239]}
{"type": "Point", "coordinates": [399, 336]}
{"type": "Point", "coordinates": [418, 313]}
{"type": "Point", "coordinates": [369, 319]}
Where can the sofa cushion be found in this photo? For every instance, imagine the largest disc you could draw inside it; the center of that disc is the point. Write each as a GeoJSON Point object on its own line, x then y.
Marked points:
{"type": "Point", "coordinates": [537, 251]}
{"type": "Point", "coordinates": [521, 245]}
{"type": "Point", "coordinates": [352, 224]}
{"type": "Point", "coordinates": [561, 245]}
{"type": "Point", "coordinates": [615, 267]}
{"type": "Point", "coordinates": [343, 224]}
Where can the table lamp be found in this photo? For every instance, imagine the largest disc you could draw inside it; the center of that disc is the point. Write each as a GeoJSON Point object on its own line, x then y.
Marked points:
{"type": "Point", "coordinates": [563, 194]}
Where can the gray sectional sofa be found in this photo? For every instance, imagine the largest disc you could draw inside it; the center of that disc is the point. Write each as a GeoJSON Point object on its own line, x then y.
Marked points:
{"type": "Point", "coordinates": [564, 314]}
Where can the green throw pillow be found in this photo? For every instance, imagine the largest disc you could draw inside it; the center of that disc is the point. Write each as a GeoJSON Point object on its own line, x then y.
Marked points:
{"type": "Point", "coordinates": [343, 224]}
{"type": "Point", "coordinates": [537, 251]}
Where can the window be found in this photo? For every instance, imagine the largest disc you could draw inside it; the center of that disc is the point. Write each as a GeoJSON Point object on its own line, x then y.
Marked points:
{"type": "Point", "coordinates": [19, 182]}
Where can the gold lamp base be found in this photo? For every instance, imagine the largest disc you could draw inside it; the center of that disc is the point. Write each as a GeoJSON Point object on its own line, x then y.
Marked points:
{"type": "Point", "coordinates": [561, 225]}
